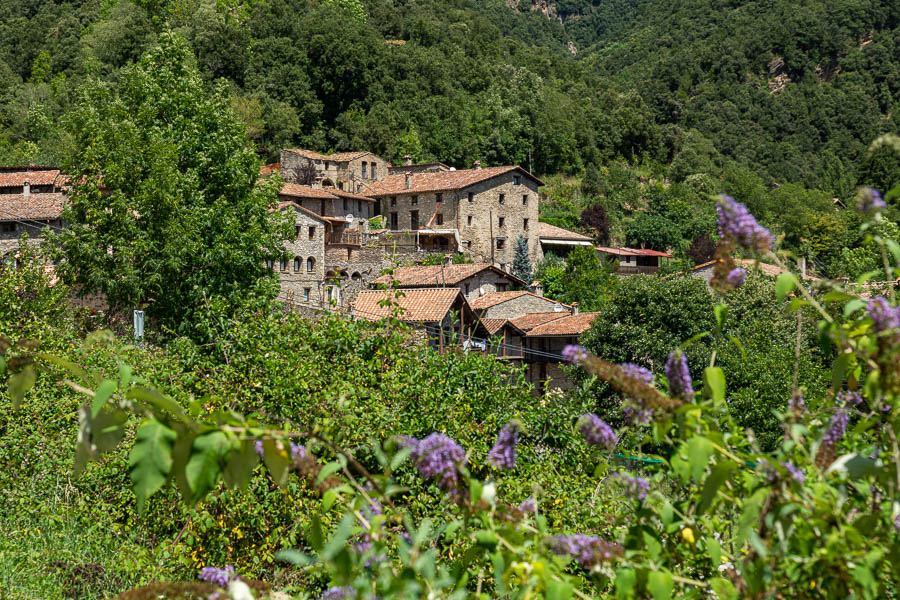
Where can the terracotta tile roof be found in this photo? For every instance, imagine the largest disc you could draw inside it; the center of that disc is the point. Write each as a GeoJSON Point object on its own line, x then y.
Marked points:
{"type": "Point", "coordinates": [492, 326]}
{"type": "Point", "coordinates": [343, 194]}
{"type": "Point", "coordinates": [296, 190]}
{"type": "Point", "coordinates": [437, 275]}
{"type": "Point", "coordinates": [632, 252]}
{"type": "Point", "coordinates": [546, 230]}
{"type": "Point", "coordinates": [750, 264]}
{"type": "Point", "coordinates": [18, 178]}
{"type": "Point", "coordinates": [295, 206]}
{"type": "Point", "coordinates": [34, 206]}
{"type": "Point", "coordinates": [532, 320]}
{"type": "Point", "coordinates": [336, 157]}
{"type": "Point", "coordinates": [495, 298]}
{"type": "Point", "coordinates": [568, 325]}
{"type": "Point", "coordinates": [440, 181]}
{"type": "Point", "coordinates": [269, 169]}
{"type": "Point", "coordinates": [420, 165]}
{"type": "Point", "coordinates": [427, 305]}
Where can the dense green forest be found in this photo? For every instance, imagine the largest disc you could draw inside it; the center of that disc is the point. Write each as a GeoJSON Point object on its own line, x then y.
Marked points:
{"type": "Point", "coordinates": [686, 87]}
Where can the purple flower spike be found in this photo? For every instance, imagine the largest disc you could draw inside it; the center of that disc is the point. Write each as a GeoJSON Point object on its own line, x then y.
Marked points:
{"type": "Point", "coordinates": [848, 398]}
{"type": "Point", "coordinates": [838, 427]}
{"type": "Point", "coordinates": [574, 354]}
{"type": "Point", "coordinates": [217, 576]}
{"type": "Point", "coordinates": [871, 201]}
{"type": "Point", "coordinates": [634, 410]}
{"type": "Point", "coordinates": [588, 550]}
{"type": "Point", "coordinates": [259, 448]}
{"type": "Point", "coordinates": [598, 433]}
{"type": "Point", "coordinates": [796, 474]}
{"type": "Point", "coordinates": [503, 454]}
{"type": "Point", "coordinates": [635, 487]}
{"type": "Point", "coordinates": [298, 451]}
{"type": "Point", "coordinates": [338, 593]}
{"type": "Point", "coordinates": [737, 224]}
{"type": "Point", "coordinates": [437, 456]}
{"type": "Point", "coordinates": [897, 522]}
{"type": "Point", "coordinates": [637, 372]}
{"type": "Point", "coordinates": [528, 505]}
{"type": "Point", "coordinates": [679, 377]}
{"type": "Point", "coordinates": [797, 404]}
{"type": "Point", "coordinates": [736, 277]}
{"type": "Point", "coordinates": [883, 314]}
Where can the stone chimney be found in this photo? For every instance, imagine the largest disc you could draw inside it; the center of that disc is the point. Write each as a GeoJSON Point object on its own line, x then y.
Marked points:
{"type": "Point", "coordinates": [537, 288]}
{"type": "Point", "coordinates": [574, 308]}
{"type": "Point", "coordinates": [27, 189]}
{"type": "Point", "coordinates": [477, 164]}
{"type": "Point", "coordinates": [408, 180]}
{"type": "Point", "coordinates": [407, 160]}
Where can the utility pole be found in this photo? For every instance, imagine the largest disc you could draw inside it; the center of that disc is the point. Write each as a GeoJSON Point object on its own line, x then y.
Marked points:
{"type": "Point", "coordinates": [491, 220]}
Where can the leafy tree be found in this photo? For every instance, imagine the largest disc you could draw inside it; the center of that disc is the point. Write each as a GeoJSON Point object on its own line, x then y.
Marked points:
{"type": "Point", "coordinates": [592, 185]}
{"type": "Point", "coordinates": [586, 281]}
{"type": "Point", "coordinates": [551, 272]}
{"type": "Point", "coordinates": [594, 217]}
{"type": "Point", "coordinates": [521, 266]}
{"type": "Point", "coordinates": [652, 231]}
{"type": "Point", "coordinates": [165, 211]}
{"type": "Point", "coordinates": [701, 249]}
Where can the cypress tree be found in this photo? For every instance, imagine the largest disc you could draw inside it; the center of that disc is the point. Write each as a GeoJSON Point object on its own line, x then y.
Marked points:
{"type": "Point", "coordinates": [521, 266]}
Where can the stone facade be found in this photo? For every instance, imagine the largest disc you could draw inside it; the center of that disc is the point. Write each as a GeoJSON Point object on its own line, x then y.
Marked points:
{"type": "Point", "coordinates": [348, 171]}
{"type": "Point", "coordinates": [302, 273]}
{"type": "Point", "coordinates": [522, 305]}
{"type": "Point", "coordinates": [11, 232]}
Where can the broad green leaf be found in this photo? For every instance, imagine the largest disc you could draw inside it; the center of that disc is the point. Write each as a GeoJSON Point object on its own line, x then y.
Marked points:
{"type": "Point", "coordinates": [714, 378]}
{"type": "Point", "coordinates": [19, 384]}
{"type": "Point", "coordinates": [692, 458]}
{"type": "Point", "coordinates": [108, 429]}
{"type": "Point", "coordinates": [720, 474]}
{"type": "Point", "coordinates": [855, 465]}
{"type": "Point", "coordinates": [475, 489]}
{"type": "Point", "coordinates": [723, 588]}
{"type": "Point", "coordinates": [241, 461]}
{"type": "Point", "coordinates": [205, 464]}
{"type": "Point", "coordinates": [338, 540]}
{"type": "Point", "coordinates": [653, 545]}
{"type": "Point", "coordinates": [714, 550]}
{"type": "Point", "coordinates": [330, 468]}
{"type": "Point", "coordinates": [784, 285]}
{"type": "Point", "coordinates": [155, 398]}
{"type": "Point", "coordinates": [836, 296]}
{"type": "Point", "coordinates": [796, 304]}
{"type": "Point", "coordinates": [559, 590]}
{"type": "Point", "coordinates": [398, 459]}
{"type": "Point", "coordinates": [625, 580]}
{"type": "Point", "coordinates": [499, 567]}
{"type": "Point", "coordinates": [853, 306]}
{"type": "Point", "coordinates": [660, 585]}
{"type": "Point", "coordinates": [720, 311]}
{"type": "Point", "coordinates": [103, 393]}
{"type": "Point", "coordinates": [295, 557]}
{"type": "Point", "coordinates": [277, 459]}
{"type": "Point", "coordinates": [151, 459]}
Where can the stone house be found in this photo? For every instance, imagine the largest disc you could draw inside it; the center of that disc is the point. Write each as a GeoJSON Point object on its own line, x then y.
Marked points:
{"type": "Point", "coordinates": [485, 209]}
{"type": "Point", "coordinates": [408, 166]}
{"type": "Point", "coordinates": [632, 261]}
{"type": "Point", "coordinates": [301, 272]}
{"type": "Point", "coordinates": [560, 241]}
{"type": "Point", "coordinates": [348, 171]}
{"type": "Point", "coordinates": [474, 280]}
{"type": "Point", "coordinates": [514, 304]}
{"type": "Point", "coordinates": [30, 199]}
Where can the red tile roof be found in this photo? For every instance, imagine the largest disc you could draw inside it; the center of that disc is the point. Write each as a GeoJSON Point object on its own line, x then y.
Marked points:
{"type": "Point", "coordinates": [295, 206]}
{"type": "Point", "coordinates": [546, 230]}
{"type": "Point", "coordinates": [492, 326]}
{"type": "Point", "coordinates": [296, 190]}
{"type": "Point", "coordinates": [437, 275]}
{"type": "Point", "coordinates": [336, 157]}
{"type": "Point", "coordinates": [440, 181]}
{"type": "Point", "coordinates": [632, 252]}
{"type": "Point", "coordinates": [269, 169]}
{"type": "Point", "coordinates": [749, 264]}
{"type": "Point", "coordinates": [567, 325]}
{"type": "Point", "coordinates": [343, 194]}
{"type": "Point", "coordinates": [495, 298]}
{"type": "Point", "coordinates": [18, 178]}
{"type": "Point", "coordinates": [427, 305]}
{"type": "Point", "coordinates": [532, 320]}
{"type": "Point", "coordinates": [34, 206]}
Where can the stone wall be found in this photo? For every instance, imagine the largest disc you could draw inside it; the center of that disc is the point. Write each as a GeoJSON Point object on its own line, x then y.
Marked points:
{"type": "Point", "coordinates": [435, 211]}
{"type": "Point", "coordinates": [9, 240]}
{"type": "Point", "coordinates": [347, 176]}
{"type": "Point", "coordinates": [524, 304]}
{"type": "Point", "coordinates": [486, 282]}
{"type": "Point", "coordinates": [297, 280]}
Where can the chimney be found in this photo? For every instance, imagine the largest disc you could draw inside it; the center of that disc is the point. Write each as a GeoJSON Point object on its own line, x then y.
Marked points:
{"type": "Point", "coordinates": [408, 180]}
{"type": "Point", "coordinates": [537, 288]}
{"type": "Point", "coordinates": [477, 164]}
{"type": "Point", "coordinates": [574, 308]}
{"type": "Point", "coordinates": [27, 189]}
{"type": "Point", "coordinates": [407, 160]}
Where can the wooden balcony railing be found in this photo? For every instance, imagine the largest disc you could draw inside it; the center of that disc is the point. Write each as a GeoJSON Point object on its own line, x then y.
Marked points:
{"type": "Point", "coordinates": [636, 270]}
{"type": "Point", "coordinates": [346, 238]}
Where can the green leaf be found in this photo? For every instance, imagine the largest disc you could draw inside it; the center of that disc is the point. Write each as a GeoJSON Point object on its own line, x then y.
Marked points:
{"type": "Point", "coordinates": [692, 458]}
{"type": "Point", "coordinates": [150, 460]}
{"type": "Point", "coordinates": [328, 499]}
{"type": "Point", "coordinates": [559, 590]}
{"type": "Point", "coordinates": [714, 550]}
{"type": "Point", "coordinates": [277, 459]}
{"type": "Point", "coordinates": [205, 464]}
{"type": "Point", "coordinates": [155, 398]}
{"type": "Point", "coordinates": [475, 489]}
{"type": "Point", "coordinates": [19, 384]}
{"type": "Point", "coordinates": [400, 457]}
{"type": "Point", "coordinates": [720, 311]}
{"type": "Point", "coordinates": [103, 393]}
{"type": "Point", "coordinates": [653, 545]}
{"type": "Point", "coordinates": [855, 465]}
{"type": "Point", "coordinates": [487, 539]}
{"type": "Point", "coordinates": [241, 461]}
{"type": "Point", "coordinates": [720, 474]}
{"type": "Point", "coordinates": [714, 378]}
{"type": "Point", "coordinates": [784, 285]}
{"type": "Point", "coordinates": [660, 585]}
{"type": "Point", "coordinates": [625, 580]}
{"type": "Point", "coordinates": [295, 557]}
{"type": "Point", "coordinates": [853, 306]}
{"type": "Point", "coordinates": [327, 470]}
{"type": "Point", "coordinates": [339, 538]}
{"type": "Point", "coordinates": [723, 588]}
{"type": "Point", "coordinates": [836, 296]}
{"type": "Point", "coordinates": [499, 567]}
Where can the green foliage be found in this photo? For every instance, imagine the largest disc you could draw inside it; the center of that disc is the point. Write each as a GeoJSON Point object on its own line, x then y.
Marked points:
{"type": "Point", "coordinates": [521, 266]}
{"type": "Point", "coordinates": [551, 272]}
{"type": "Point", "coordinates": [586, 280]}
{"type": "Point", "coordinates": [651, 231]}
{"type": "Point", "coordinates": [166, 213]}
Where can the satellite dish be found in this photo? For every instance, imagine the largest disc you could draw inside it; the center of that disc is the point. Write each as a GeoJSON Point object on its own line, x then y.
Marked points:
{"type": "Point", "coordinates": [452, 168]}
{"type": "Point", "coordinates": [349, 217]}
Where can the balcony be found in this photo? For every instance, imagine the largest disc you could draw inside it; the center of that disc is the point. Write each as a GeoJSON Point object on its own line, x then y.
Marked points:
{"type": "Point", "coordinates": [636, 270]}
{"type": "Point", "coordinates": [345, 238]}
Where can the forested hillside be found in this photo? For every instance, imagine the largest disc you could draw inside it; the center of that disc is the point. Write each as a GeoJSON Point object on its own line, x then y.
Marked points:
{"type": "Point", "coordinates": [792, 91]}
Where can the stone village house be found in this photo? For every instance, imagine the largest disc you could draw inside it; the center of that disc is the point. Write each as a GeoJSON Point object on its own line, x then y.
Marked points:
{"type": "Point", "coordinates": [31, 198]}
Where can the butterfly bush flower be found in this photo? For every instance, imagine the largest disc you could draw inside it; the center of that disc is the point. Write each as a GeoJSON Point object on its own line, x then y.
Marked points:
{"type": "Point", "coordinates": [837, 428]}
{"type": "Point", "coordinates": [848, 398]}
{"type": "Point", "coordinates": [588, 550]}
{"type": "Point", "coordinates": [736, 277]}
{"type": "Point", "coordinates": [797, 404]}
{"type": "Point", "coordinates": [436, 456]}
{"type": "Point", "coordinates": [897, 522]}
{"type": "Point", "coordinates": [298, 451]}
{"type": "Point", "coordinates": [883, 314]}
{"type": "Point", "coordinates": [528, 505]}
{"type": "Point", "coordinates": [598, 433]}
{"type": "Point", "coordinates": [338, 593]}
{"type": "Point", "coordinates": [679, 377]}
{"type": "Point", "coordinates": [259, 448]}
{"type": "Point", "coordinates": [574, 354]}
{"type": "Point", "coordinates": [635, 410]}
{"type": "Point", "coordinates": [503, 454]}
{"type": "Point", "coordinates": [635, 487]}
{"type": "Point", "coordinates": [737, 224]}
{"type": "Point", "coordinates": [217, 576]}
{"type": "Point", "coordinates": [870, 201]}
{"type": "Point", "coordinates": [796, 473]}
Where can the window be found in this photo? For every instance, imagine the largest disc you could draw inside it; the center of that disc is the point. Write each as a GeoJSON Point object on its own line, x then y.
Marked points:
{"type": "Point", "coordinates": [356, 276]}
{"type": "Point", "coordinates": [340, 185]}
{"type": "Point", "coordinates": [312, 232]}
{"type": "Point", "coordinates": [501, 287]}
{"type": "Point", "coordinates": [346, 209]}
{"type": "Point", "coordinates": [365, 171]}
{"type": "Point", "coordinates": [467, 289]}
{"type": "Point", "coordinates": [326, 164]}
{"type": "Point", "coordinates": [503, 268]}
{"type": "Point", "coordinates": [393, 201]}
{"type": "Point", "coordinates": [413, 219]}
{"type": "Point", "coordinates": [306, 293]}
{"type": "Point", "coordinates": [271, 264]}
{"type": "Point", "coordinates": [524, 199]}
{"type": "Point", "coordinates": [296, 232]}
{"type": "Point", "coordinates": [439, 197]}
{"type": "Point", "coordinates": [501, 221]}
{"type": "Point", "coordinates": [502, 198]}
{"type": "Point", "coordinates": [284, 264]}
{"type": "Point", "coordinates": [525, 224]}
{"type": "Point", "coordinates": [415, 200]}
{"type": "Point", "coordinates": [298, 262]}
{"type": "Point", "coordinates": [310, 264]}
{"type": "Point", "coordinates": [501, 243]}
{"type": "Point", "coordinates": [7, 227]}
{"type": "Point", "coordinates": [394, 222]}
{"type": "Point", "coordinates": [469, 220]}
{"type": "Point", "coordinates": [517, 179]}
{"type": "Point", "coordinates": [471, 196]}
{"type": "Point", "coordinates": [359, 207]}
{"type": "Point", "coordinates": [440, 219]}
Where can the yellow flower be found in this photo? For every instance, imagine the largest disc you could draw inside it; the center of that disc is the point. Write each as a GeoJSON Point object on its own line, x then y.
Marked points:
{"type": "Point", "coordinates": [688, 534]}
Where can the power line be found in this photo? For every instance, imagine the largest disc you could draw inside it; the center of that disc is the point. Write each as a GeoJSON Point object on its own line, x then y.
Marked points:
{"type": "Point", "coordinates": [25, 220]}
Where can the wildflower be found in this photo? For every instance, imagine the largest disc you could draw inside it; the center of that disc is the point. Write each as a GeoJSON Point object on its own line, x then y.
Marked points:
{"type": "Point", "coordinates": [635, 487]}
{"type": "Point", "coordinates": [338, 593]}
{"type": "Point", "coordinates": [870, 201]}
{"type": "Point", "coordinates": [637, 373]}
{"type": "Point", "coordinates": [897, 522]}
{"type": "Point", "coordinates": [837, 427]}
{"type": "Point", "coordinates": [636, 410]}
{"type": "Point", "coordinates": [884, 316]}
{"type": "Point", "coordinates": [259, 448]}
{"type": "Point", "coordinates": [574, 354]}
{"type": "Point", "coordinates": [528, 505]}
{"type": "Point", "coordinates": [588, 550]}
{"type": "Point", "coordinates": [503, 454]}
{"type": "Point", "coordinates": [437, 456]}
{"type": "Point", "coordinates": [737, 224]}
{"type": "Point", "coordinates": [848, 398]}
{"type": "Point", "coordinates": [736, 277]}
{"type": "Point", "coordinates": [796, 403]}
{"type": "Point", "coordinates": [598, 433]}
{"type": "Point", "coordinates": [298, 451]}
{"type": "Point", "coordinates": [678, 375]}
{"type": "Point", "coordinates": [217, 576]}
{"type": "Point", "coordinates": [796, 473]}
